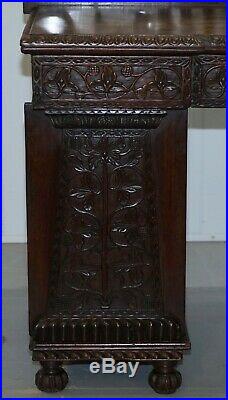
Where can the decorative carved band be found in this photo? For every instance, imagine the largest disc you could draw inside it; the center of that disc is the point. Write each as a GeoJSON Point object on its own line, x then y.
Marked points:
{"type": "Point", "coordinates": [209, 75]}
{"type": "Point", "coordinates": [117, 354]}
{"type": "Point", "coordinates": [123, 82]}
{"type": "Point", "coordinates": [32, 43]}
{"type": "Point", "coordinates": [153, 82]}
{"type": "Point", "coordinates": [110, 119]}
{"type": "Point", "coordinates": [95, 330]}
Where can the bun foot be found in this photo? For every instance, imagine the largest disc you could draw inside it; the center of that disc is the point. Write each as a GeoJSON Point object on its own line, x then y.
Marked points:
{"type": "Point", "coordinates": [51, 377]}
{"type": "Point", "coordinates": [164, 379]}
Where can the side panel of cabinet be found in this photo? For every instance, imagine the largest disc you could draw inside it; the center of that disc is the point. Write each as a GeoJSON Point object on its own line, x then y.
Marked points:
{"type": "Point", "coordinates": [43, 147]}
{"type": "Point", "coordinates": [171, 159]}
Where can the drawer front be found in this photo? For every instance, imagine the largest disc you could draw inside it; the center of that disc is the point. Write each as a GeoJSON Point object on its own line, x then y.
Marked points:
{"type": "Point", "coordinates": [208, 82]}
{"type": "Point", "coordinates": [163, 82]}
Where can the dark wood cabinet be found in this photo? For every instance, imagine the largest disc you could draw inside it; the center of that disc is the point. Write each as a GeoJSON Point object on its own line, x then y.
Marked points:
{"type": "Point", "coordinates": [106, 145]}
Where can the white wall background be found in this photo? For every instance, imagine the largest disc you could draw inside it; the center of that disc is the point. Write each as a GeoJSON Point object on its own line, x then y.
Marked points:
{"type": "Point", "coordinates": [206, 148]}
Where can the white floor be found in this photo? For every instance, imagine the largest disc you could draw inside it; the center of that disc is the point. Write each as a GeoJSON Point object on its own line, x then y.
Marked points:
{"type": "Point", "coordinates": [203, 370]}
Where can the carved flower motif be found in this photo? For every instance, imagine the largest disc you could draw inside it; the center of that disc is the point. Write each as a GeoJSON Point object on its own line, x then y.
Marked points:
{"type": "Point", "coordinates": [93, 70]}
{"type": "Point", "coordinates": [107, 83]}
{"type": "Point", "coordinates": [215, 82]}
{"type": "Point", "coordinates": [127, 71]}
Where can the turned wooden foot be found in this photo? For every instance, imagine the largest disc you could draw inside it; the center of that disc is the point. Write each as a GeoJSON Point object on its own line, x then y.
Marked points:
{"type": "Point", "coordinates": [164, 379]}
{"type": "Point", "coordinates": [51, 377]}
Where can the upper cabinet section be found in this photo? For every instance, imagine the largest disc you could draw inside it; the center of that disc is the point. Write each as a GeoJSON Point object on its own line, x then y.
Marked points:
{"type": "Point", "coordinates": [129, 28]}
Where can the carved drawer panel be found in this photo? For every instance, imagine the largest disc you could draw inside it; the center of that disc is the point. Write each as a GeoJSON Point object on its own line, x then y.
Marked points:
{"type": "Point", "coordinates": [163, 82]}
{"type": "Point", "coordinates": [208, 81]}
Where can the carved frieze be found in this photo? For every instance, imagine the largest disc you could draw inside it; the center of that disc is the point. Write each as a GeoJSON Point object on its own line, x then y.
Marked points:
{"type": "Point", "coordinates": [208, 83]}
{"type": "Point", "coordinates": [33, 43]}
{"type": "Point", "coordinates": [96, 355]}
{"type": "Point", "coordinates": [163, 82]}
{"type": "Point", "coordinates": [101, 119]}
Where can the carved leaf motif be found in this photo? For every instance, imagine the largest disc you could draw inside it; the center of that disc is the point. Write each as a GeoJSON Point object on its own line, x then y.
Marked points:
{"type": "Point", "coordinates": [131, 276]}
{"type": "Point", "coordinates": [54, 87]}
{"type": "Point", "coordinates": [159, 83]}
{"type": "Point", "coordinates": [127, 187]}
{"type": "Point", "coordinates": [62, 78]}
{"type": "Point", "coordinates": [80, 280]}
{"type": "Point", "coordinates": [160, 78]}
{"type": "Point", "coordinates": [82, 231]}
{"type": "Point", "coordinates": [84, 192]}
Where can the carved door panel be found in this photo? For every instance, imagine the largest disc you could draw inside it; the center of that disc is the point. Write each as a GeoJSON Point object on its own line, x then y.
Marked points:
{"type": "Point", "coordinates": [108, 244]}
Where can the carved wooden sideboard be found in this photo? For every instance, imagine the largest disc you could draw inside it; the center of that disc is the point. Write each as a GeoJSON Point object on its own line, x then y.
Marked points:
{"type": "Point", "coordinates": [106, 137]}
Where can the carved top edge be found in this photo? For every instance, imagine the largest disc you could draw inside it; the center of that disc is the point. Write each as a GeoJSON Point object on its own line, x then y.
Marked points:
{"type": "Point", "coordinates": [102, 111]}
{"type": "Point", "coordinates": [50, 43]}
{"type": "Point", "coordinates": [127, 119]}
{"type": "Point", "coordinates": [28, 7]}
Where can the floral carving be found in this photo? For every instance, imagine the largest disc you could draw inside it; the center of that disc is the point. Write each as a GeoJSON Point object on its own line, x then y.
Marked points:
{"type": "Point", "coordinates": [105, 83]}
{"type": "Point", "coordinates": [209, 81]}
{"type": "Point", "coordinates": [68, 80]}
{"type": "Point", "coordinates": [214, 82]}
{"type": "Point", "coordinates": [109, 243]}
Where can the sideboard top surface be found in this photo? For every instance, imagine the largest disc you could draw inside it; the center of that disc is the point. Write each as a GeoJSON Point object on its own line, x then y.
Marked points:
{"type": "Point", "coordinates": [177, 26]}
